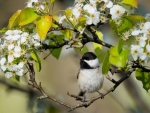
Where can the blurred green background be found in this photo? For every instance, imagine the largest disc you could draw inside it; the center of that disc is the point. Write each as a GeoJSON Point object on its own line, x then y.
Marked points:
{"type": "Point", "coordinates": [59, 77]}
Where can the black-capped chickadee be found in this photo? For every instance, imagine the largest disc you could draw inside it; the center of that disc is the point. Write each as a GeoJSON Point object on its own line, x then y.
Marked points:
{"type": "Point", "coordinates": [90, 77]}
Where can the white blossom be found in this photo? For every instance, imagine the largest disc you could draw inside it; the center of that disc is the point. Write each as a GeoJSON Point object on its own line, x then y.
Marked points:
{"type": "Point", "coordinates": [91, 7]}
{"type": "Point", "coordinates": [136, 51]}
{"type": "Point", "coordinates": [93, 18]}
{"type": "Point", "coordinates": [61, 19]}
{"type": "Point", "coordinates": [141, 40]}
{"type": "Point", "coordinates": [76, 11]}
{"type": "Point", "coordinates": [10, 46]}
{"type": "Point", "coordinates": [10, 56]}
{"type": "Point", "coordinates": [2, 64]}
{"type": "Point", "coordinates": [148, 48]}
{"type": "Point", "coordinates": [136, 32]}
{"type": "Point", "coordinates": [143, 56]}
{"type": "Point", "coordinates": [30, 2]}
{"type": "Point", "coordinates": [109, 3]}
{"type": "Point", "coordinates": [146, 28]}
{"type": "Point", "coordinates": [20, 72]}
{"type": "Point", "coordinates": [13, 34]}
{"type": "Point", "coordinates": [8, 74]}
{"type": "Point", "coordinates": [117, 11]}
{"type": "Point", "coordinates": [2, 61]}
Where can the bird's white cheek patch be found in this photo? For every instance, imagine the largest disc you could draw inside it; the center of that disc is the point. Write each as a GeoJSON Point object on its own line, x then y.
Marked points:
{"type": "Point", "coordinates": [93, 63]}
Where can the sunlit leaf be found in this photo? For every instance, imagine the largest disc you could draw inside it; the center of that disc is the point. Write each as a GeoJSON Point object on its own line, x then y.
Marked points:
{"type": "Point", "coordinates": [114, 51]}
{"type": "Point", "coordinates": [37, 60]}
{"type": "Point", "coordinates": [56, 18]}
{"type": "Point", "coordinates": [118, 60]}
{"type": "Point", "coordinates": [132, 3]}
{"type": "Point", "coordinates": [135, 18]}
{"type": "Point", "coordinates": [13, 21]}
{"type": "Point", "coordinates": [125, 25]}
{"type": "Point", "coordinates": [52, 1]}
{"type": "Point", "coordinates": [27, 16]}
{"type": "Point", "coordinates": [82, 19]}
{"type": "Point", "coordinates": [144, 77]}
{"type": "Point", "coordinates": [106, 64]}
{"type": "Point", "coordinates": [68, 34]}
{"type": "Point", "coordinates": [100, 36]}
{"type": "Point", "coordinates": [120, 45]}
{"type": "Point", "coordinates": [3, 30]}
{"type": "Point", "coordinates": [43, 25]}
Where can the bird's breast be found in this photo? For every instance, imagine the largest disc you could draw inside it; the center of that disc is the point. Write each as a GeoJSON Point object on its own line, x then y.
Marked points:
{"type": "Point", "coordinates": [90, 80]}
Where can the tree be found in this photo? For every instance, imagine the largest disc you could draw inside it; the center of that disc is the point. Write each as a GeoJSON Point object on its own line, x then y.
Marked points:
{"type": "Point", "coordinates": [33, 29]}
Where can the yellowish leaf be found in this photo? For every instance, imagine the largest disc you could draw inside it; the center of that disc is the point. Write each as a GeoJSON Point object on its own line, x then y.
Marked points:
{"type": "Point", "coordinates": [132, 3]}
{"type": "Point", "coordinates": [13, 19]}
{"type": "Point", "coordinates": [43, 25]}
{"type": "Point", "coordinates": [100, 36]}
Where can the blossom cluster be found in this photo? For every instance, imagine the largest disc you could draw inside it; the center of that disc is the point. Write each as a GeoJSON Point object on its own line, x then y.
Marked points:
{"type": "Point", "coordinates": [15, 47]}
{"type": "Point", "coordinates": [141, 49]}
{"type": "Point", "coordinates": [94, 11]}
{"type": "Point", "coordinates": [36, 3]}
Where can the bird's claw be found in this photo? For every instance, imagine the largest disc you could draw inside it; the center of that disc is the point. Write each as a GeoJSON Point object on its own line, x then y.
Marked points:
{"type": "Point", "coordinates": [101, 94]}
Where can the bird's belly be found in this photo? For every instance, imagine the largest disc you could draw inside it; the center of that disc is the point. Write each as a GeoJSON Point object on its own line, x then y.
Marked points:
{"type": "Point", "coordinates": [90, 82]}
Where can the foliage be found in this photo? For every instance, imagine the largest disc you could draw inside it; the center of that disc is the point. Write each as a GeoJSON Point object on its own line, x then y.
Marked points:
{"type": "Point", "coordinates": [36, 28]}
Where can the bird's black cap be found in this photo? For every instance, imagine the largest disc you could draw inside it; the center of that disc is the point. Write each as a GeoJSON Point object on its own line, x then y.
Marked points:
{"type": "Point", "coordinates": [89, 56]}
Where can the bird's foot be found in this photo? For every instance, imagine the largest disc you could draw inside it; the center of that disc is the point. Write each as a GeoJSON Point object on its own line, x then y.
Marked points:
{"type": "Point", "coordinates": [83, 98]}
{"type": "Point", "coordinates": [101, 94]}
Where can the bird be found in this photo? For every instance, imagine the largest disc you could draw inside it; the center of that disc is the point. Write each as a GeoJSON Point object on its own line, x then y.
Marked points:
{"type": "Point", "coordinates": [90, 77]}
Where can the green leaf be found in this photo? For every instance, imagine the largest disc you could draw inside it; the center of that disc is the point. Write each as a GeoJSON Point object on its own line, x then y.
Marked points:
{"type": "Point", "coordinates": [120, 45]}
{"type": "Point", "coordinates": [132, 3]}
{"type": "Point", "coordinates": [100, 54]}
{"type": "Point", "coordinates": [144, 77]}
{"type": "Point", "coordinates": [106, 64]}
{"type": "Point", "coordinates": [3, 30]}
{"type": "Point", "coordinates": [56, 18]}
{"type": "Point", "coordinates": [17, 78]}
{"type": "Point", "coordinates": [56, 52]}
{"type": "Point", "coordinates": [13, 21]}
{"type": "Point", "coordinates": [68, 34]}
{"type": "Point", "coordinates": [118, 60]}
{"type": "Point", "coordinates": [114, 51]}
{"type": "Point", "coordinates": [135, 18]}
{"type": "Point", "coordinates": [27, 16]}
{"type": "Point", "coordinates": [113, 25]}
{"type": "Point", "coordinates": [52, 1]}
{"type": "Point", "coordinates": [124, 26]}
{"type": "Point", "coordinates": [37, 60]}
{"type": "Point", "coordinates": [81, 51]}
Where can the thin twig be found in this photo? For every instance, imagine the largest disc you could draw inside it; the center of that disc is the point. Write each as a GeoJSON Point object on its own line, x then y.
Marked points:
{"type": "Point", "coordinates": [34, 84]}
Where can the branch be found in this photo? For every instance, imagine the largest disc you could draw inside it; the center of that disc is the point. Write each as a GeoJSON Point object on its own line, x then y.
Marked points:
{"type": "Point", "coordinates": [34, 84]}
{"type": "Point", "coordinates": [45, 46]}
{"type": "Point", "coordinates": [96, 38]}
{"type": "Point", "coordinates": [136, 64]}
{"type": "Point", "coordinates": [90, 101]}
{"type": "Point", "coordinates": [85, 38]}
